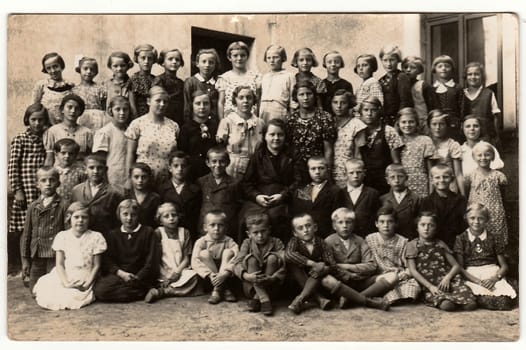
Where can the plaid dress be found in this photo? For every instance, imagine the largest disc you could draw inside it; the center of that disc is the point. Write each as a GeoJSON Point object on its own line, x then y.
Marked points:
{"type": "Point", "coordinates": [389, 255]}
{"type": "Point", "coordinates": [27, 154]}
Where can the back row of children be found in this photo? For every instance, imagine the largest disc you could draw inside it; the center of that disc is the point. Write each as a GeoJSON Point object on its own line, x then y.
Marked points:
{"type": "Point", "coordinates": [134, 261]}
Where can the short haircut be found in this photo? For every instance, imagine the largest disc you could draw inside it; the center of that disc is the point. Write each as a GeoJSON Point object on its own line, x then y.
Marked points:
{"type": "Point", "coordinates": [218, 150]}
{"type": "Point", "coordinates": [369, 59]}
{"type": "Point", "coordinates": [76, 98]}
{"type": "Point", "coordinates": [480, 208]}
{"type": "Point", "coordinates": [122, 55]}
{"type": "Point", "coordinates": [48, 170]}
{"type": "Point", "coordinates": [395, 168]}
{"type": "Point", "coordinates": [36, 108]}
{"type": "Point", "coordinates": [97, 157]}
{"type": "Point", "coordinates": [478, 65]}
{"type": "Point", "coordinates": [156, 90]}
{"type": "Point", "coordinates": [76, 206]}
{"type": "Point", "coordinates": [142, 166]}
{"type": "Point", "coordinates": [238, 89]}
{"type": "Point", "coordinates": [215, 212]}
{"type": "Point", "coordinates": [409, 111]}
{"type": "Point", "coordinates": [66, 142]}
{"type": "Point", "coordinates": [178, 155]}
{"type": "Point", "coordinates": [237, 45]}
{"type": "Point", "coordinates": [351, 99]}
{"type": "Point", "coordinates": [303, 84]}
{"type": "Point", "coordinates": [256, 218]}
{"type": "Point", "coordinates": [118, 99]}
{"type": "Point", "coordinates": [128, 204]}
{"type": "Point", "coordinates": [200, 92]}
{"type": "Point", "coordinates": [281, 51]}
{"type": "Point", "coordinates": [373, 100]}
{"type": "Point", "coordinates": [87, 60]}
{"type": "Point", "coordinates": [441, 167]}
{"type": "Point", "coordinates": [144, 47]}
{"type": "Point", "coordinates": [336, 53]}
{"type": "Point", "coordinates": [209, 52]}
{"type": "Point", "coordinates": [472, 116]}
{"type": "Point", "coordinates": [299, 216]}
{"type": "Point", "coordinates": [391, 50]}
{"type": "Point", "coordinates": [354, 161]}
{"type": "Point", "coordinates": [427, 214]}
{"type": "Point", "coordinates": [294, 62]}
{"type": "Point", "coordinates": [317, 158]}
{"type": "Point", "coordinates": [437, 113]}
{"type": "Point", "coordinates": [342, 212]}
{"type": "Point", "coordinates": [164, 52]}
{"type": "Point", "coordinates": [165, 207]}
{"type": "Point", "coordinates": [387, 210]}
{"type": "Point", "coordinates": [417, 61]}
{"type": "Point", "coordinates": [442, 59]}
{"type": "Point", "coordinates": [482, 146]}
{"type": "Point", "coordinates": [49, 55]}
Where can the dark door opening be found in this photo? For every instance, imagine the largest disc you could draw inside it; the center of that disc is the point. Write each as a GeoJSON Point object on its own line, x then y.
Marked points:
{"type": "Point", "coordinates": [207, 39]}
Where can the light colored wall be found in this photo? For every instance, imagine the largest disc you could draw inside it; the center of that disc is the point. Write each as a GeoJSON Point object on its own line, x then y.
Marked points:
{"type": "Point", "coordinates": [31, 36]}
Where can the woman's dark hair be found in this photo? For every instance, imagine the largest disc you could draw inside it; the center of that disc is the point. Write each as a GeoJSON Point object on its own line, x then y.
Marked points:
{"type": "Point", "coordinates": [303, 84]}
{"type": "Point", "coordinates": [76, 98]}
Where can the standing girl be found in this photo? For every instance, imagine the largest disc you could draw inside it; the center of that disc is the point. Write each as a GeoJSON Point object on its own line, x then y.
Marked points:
{"type": "Point", "coordinates": [176, 278]}
{"type": "Point", "coordinates": [310, 130]}
{"type": "Point", "coordinates": [120, 84]}
{"type": "Point", "coordinates": [365, 66]}
{"type": "Point", "coordinates": [27, 154]}
{"type": "Point", "coordinates": [333, 62]}
{"type": "Point", "coordinates": [471, 128]}
{"type": "Point", "coordinates": [78, 258]}
{"type": "Point", "coordinates": [152, 137]}
{"type": "Point", "coordinates": [208, 63]}
{"type": "Point", "coordinates": [378, 145]}
{"type": "Point", "coordinates": [237, 53]}
{"type": "Point", "coordinates": [172, 60]}
{"type": "Point", "coordinates": [447, 150]}
{"type": "Point", "coordinates": [71, 107]}
{"type": "Point", "coordinates": [276, 86]}
{"type": "Point", "coordinates": [417, 153]}
{"type": "Point", "coordinates": [145, 55]}
{"type": "Point", "coordinates": [348, 126]}
{"type": "Point", "coordinates": [486, 187]}
{"type": "Point", "coordinates": [432, 264]}
{"type": "Point", "coordinates": [112, 141]}
{"type": "Point", "coordinates": [448, 93]}
{"type": "Point", "coordinates": [481, 101]}
{"type": "Point", "coordinates": [304, 59]}
{"type": "Point", "coordinates": [240, 130]}
{"type": "Point", "coordinates": [92, 93]}
{"type": "Point", "coordinates": [52, 90]}
{"type": "Point", "coordinates": [481, 255]}
{"type": "Point", "coordinates": [141, 178]}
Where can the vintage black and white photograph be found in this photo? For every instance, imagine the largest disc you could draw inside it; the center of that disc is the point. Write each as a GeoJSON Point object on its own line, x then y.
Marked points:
{"type": "Point", "coordinates": [263, 177]}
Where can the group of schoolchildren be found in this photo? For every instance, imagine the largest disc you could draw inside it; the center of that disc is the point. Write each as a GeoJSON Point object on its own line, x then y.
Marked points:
{"type": "Point", "coordinates": [147, 187]}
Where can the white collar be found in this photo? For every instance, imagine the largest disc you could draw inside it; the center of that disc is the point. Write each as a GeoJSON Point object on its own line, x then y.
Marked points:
{"type": "Point", "coordinates": [134, 230]}
{"type": "Point", "coordinates": [352, 189]}
{"type": "Point", "coordinates": [472, 96]}
{"type": "Point", "coordinates": [320, 186]}
{"type": "Point", "coordinates": [482, 236]}
{"type": "Point", "coordinates": [199, 77]}
{"type": "Point", "coordinates": [400, 194]}
{"type": "Point", "coordinates": [450, 83]}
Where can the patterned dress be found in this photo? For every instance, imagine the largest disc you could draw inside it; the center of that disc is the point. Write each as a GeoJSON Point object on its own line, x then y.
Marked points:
{"type": "Point", "coordinates": [141, 83]}
{"type": "Point", "coordinates": [69, 178]}
{"type": "Point", "coordinates": [155, 141]}
{"type": "Point", "coordinates": [228, 81]}
{"type": "Point", "coordinates": [78, 252]}
{"type": "Point", "coordinates": [369, 87]}
{"type": "Point", "coordinates": [81, 135]}
{"type": "Point", "coordinates": [94, 116]}
{"type": "Point", "coordinates": [413, 157]}
{"type": "Point", "coordinates": [430, 260]}
{"type": "Point", "coordinates": [485, 190]}
{"type": "Point", "coordinates": [344, 149]}
{"type": "Point", "coordinates": [389, 255]}
{"type": "Point", "coordinates": [27, 154]}
{"type": "Point", "coordinates": [50, 93]}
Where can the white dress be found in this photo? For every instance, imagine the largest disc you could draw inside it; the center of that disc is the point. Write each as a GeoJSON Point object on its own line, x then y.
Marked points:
{"type": "Point", "coordinates": [78, 252]}
{"type": "Point", "coordinates": [174, 251]}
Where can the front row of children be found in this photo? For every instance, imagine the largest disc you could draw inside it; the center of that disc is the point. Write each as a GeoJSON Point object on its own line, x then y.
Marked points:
{"type": "Point", "coordinates": [136, 262]}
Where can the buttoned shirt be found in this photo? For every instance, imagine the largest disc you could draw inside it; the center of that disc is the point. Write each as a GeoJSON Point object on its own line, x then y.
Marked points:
{"type": "Point", "coordinates": [399, 196]}
{"type": "Point", "coordinates": [354, 192]}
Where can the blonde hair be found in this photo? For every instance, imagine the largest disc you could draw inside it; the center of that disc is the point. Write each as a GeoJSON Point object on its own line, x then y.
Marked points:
{"type": "Point", "coordinates": [343, 212]}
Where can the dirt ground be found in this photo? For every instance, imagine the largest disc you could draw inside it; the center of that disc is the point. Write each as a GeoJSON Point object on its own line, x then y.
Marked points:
{"type": "Point", "coordinates": [193, 319]}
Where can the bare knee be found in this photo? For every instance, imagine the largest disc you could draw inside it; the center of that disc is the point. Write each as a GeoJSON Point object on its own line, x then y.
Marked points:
{"type": "Point", "coordinates": [330, 283]}
{"type": "Point", "coordinates": [227, 254]}
{"type": "Point", "coordinates": [390, 277]}
{"type": "Point", "coordinates": [252, 264]}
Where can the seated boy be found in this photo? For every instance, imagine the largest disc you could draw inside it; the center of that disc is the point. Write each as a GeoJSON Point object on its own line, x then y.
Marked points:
{"type": "Point", "coordinates": [71, 173]}
{"type": "Point", "coordinates": [402, 200]}
{"type": "Point", "coordinates": [351, 252]}
{"type": "Point", "coordinates": [185, 195]}
{"type": "Point", "coordinates": [312, 266]}
{"type": "Point", "coordinates": [44, 219]}
{"type": "Point", "coordinates": [359, 198]}
{"type": "Point", "coordinates": [219, 190]}
{"type": "Point", "coordinates": [447, 205]}
{"type": "Point", "coordinates": [130, 265]}
{"type": "Point", "coordinates": [212, 256]}
{"type": "Point", "coordinates": [101, 198]}
{"type": "Point", "coordinates": [260, 263]}
{"type": "Point", "coordinates": [319, 198]}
